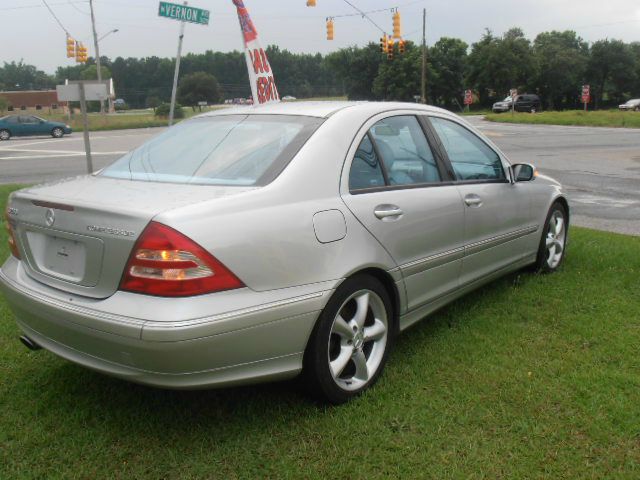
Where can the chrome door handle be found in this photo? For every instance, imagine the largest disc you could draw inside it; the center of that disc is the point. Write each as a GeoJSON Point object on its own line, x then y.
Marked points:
{"type": "Point", "coordinates": [473, 200]}
{"type": "Point", "coordinates": [387, 211]}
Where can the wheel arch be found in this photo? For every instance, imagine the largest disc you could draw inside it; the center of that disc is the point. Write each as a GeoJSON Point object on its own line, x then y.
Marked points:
{"type": "Point", "coordinates": [563, 201]}
{"type": "Point", "coordinates": [389, 285]}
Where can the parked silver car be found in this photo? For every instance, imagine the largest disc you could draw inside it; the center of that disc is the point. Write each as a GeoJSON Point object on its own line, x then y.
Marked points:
{"type": "Point", "coordinates": [252, 245]}
{"type": "Point", "coordinates": [633, 104]}
{"type": "Point", "coordinates": [502, 106]}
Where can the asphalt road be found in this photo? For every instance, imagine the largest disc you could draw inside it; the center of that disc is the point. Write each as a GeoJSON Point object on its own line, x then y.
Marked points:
{"type": "Point", "coordinates": [36, 159]}
{"type": "Point", "coordinates": [600, 167]}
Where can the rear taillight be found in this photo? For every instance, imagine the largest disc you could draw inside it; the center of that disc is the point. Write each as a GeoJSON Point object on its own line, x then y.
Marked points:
{"type": "Point", "coordinates": [13, 246]}
{"type": "Point", "coordinates": [166, 263]}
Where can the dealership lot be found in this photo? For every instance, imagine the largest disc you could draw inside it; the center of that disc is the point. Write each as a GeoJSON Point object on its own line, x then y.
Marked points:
{"type": "Point", "coordinates": [600, 167]}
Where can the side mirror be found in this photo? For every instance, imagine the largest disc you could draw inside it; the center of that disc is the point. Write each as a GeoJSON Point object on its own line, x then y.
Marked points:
{"type": "Point", "coordinates": [524, 172]}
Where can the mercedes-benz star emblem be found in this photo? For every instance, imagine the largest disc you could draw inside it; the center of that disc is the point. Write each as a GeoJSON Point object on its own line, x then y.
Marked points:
{"type": "Point", "coordinates": [49, 217]}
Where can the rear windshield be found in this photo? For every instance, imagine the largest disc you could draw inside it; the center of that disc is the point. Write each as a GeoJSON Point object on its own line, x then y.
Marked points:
{"type": "Point", "coordinates": [243, 150]}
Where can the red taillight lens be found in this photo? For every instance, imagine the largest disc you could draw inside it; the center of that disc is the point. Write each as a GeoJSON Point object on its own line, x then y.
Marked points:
{"type": "Point", "coordinates": [166, 263]}
{"type": "Point", "coordinates": [13, 246]}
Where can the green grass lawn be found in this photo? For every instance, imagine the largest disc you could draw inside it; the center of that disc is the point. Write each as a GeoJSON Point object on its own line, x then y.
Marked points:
{"type": "Point", "coordinates": [599, 118]}
{"type": "Point", "coordinates": [530, 377]}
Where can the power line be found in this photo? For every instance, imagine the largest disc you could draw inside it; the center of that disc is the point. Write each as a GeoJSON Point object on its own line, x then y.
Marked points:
{"type": "Point", "coordinates": [378, 11]}
{"type": "Point", "coordinates": [22, 7]}
{"type": "Point", "coordinates": [76, 8]}
{"type": "Point", "coordinates": [56, 18]}
{"type": "Point", "coordinates": [364, 15]}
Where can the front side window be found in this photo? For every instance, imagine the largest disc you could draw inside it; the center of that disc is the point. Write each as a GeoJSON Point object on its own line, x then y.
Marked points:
{"type": "Point", "coordinates": [470, 157]}
{"type": "Point", "coordinates": [242, 150]}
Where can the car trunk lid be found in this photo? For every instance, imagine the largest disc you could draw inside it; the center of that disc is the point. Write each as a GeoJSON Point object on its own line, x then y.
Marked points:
{"type": "Point", "coordinates": [77, 235]}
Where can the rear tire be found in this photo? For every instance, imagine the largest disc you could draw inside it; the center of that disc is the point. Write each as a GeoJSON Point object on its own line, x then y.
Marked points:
{"type": "Point", "coordinates": [552, 248]}
{"type": "Point", "coordinates": [57, 132]}
{"type": "Point", "coordinates": [350, 342]}
{"type": "Point", "coordinates": [5, 135]}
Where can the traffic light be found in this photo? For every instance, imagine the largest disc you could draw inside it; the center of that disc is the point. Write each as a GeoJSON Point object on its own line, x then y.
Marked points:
{"type": "Point", "coordinates": [329, 29]}
{"type": "Point", "coordinates": [401, 47]}
{"type": "Point", "coordinates": [311, 3]}
{"type": "Point", "coordinates": [81, 53]}
{"type": "Point", "coordinates": [397, 33]}
{"type": "Point", "coordinates": [71, 47]}
{"type": "Point", "coordinates": [390, 44]}
{"type": "Point", "coordinates": [383, 43]}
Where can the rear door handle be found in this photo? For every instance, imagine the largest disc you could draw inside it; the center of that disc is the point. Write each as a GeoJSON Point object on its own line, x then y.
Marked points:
{"type": "Point", "coordinates": [387, 211]}
{"type": "Point", "coordinates": [473, 200]}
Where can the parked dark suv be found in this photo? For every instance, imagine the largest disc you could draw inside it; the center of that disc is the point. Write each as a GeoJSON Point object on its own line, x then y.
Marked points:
{"type": "Point", "coordinates": [527, 103]}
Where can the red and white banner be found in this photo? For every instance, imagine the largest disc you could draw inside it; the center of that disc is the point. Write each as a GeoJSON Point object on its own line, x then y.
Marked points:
{"type": "Point", "coordinates": [468, 97]}
{"type": "Point", "coordinates": [263, 86]}
{"type": "Point", "coordinates": [586, 94]}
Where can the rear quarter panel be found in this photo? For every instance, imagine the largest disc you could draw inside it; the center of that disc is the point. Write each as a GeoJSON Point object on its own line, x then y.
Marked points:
{"type": "Point", "coordinates": [267, 238]}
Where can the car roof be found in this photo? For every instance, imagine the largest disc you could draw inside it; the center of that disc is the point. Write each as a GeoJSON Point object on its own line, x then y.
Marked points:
{"type": "Point", "coordinates": [320, 109]}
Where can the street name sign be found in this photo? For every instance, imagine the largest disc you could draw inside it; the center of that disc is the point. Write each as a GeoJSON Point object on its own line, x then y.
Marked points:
{"type": "Point", "coordinates": [183, 13]}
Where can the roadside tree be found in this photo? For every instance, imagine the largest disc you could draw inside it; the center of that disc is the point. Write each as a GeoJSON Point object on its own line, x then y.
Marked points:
{"type": "Point", "coordinates": [199, 87]}
{"type": "Point", "coordinates": [561, 59]}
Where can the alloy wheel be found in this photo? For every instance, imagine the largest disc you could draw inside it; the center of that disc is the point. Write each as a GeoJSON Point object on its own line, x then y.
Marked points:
{"type": "Point", "coordinates": [4, 135]}
{"type": "Point", "coordinates": [358, 340]}
{"type": "Point", "coordinates": [555, 241]}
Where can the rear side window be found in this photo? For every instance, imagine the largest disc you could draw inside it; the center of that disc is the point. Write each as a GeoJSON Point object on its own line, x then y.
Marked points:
{"type": "Point", "coordinates": [405, 151]}
{"type": "Point", "coordinates": [243, 150]}
{"type": "Point", "coordinates": [366, 171]}
{"type": "Point", "coordinates": [395, 152]}
{"type": "Point", "coordinates": [470, 157]}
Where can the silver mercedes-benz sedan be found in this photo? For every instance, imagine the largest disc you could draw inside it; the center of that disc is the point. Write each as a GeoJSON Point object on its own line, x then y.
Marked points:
{"type": "Point", "coordinates": [253, 244]}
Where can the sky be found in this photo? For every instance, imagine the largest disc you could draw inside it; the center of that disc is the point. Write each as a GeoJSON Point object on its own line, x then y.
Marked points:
{"type": "Point", "coordinates": [30, 33]}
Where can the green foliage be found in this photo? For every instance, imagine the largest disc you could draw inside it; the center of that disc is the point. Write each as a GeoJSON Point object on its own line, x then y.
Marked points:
{"type": "Point", "coordinates": [357, 68]}
{"type": "Point", "coordinates": [163, 110]}
{"type": "Point", "coordinates": [612, 68]}
{"type": "Point", "coordinates": [447, 62]}
{"type": "Point", "coordinates": [497, 64]}
{"type": "Point", "coordinates": [561, 59]}
{"type": "Point", "coordinates": [153, 102]}
{"type": "Point", "coordinates": [199, 87]}
{"type": "Point", "coordinates": [20, 76]}
{"type": "Point", "coordinates": [555, 65]}
{"type": "Point", "coordinates": [399, 79]}
{"type": "Point", "coordinates": [91, 73]}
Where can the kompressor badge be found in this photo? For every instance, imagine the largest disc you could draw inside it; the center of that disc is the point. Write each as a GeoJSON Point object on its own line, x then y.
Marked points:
{"type": "Point", "coordinates": [110, 230]}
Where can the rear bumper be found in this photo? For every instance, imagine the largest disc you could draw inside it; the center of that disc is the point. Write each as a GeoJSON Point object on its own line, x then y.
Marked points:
{"type": "Point", "coordinates": [200, 342]}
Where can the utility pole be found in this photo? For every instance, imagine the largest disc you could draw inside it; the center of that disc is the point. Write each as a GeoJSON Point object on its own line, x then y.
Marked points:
{"type": "Point", "coordinates": [96, 45]}
{"type": "Point", "coordinates": [175, 74]}
{"type": "Point", "coordinates": [85, 125]}
{"type": "Point", "coordinates": [424, 56]}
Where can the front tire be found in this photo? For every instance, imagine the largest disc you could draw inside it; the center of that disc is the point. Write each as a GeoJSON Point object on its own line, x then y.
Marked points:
{"type": "Point", "coordinates": [57, 132]}
{"type": "Point", "coordinates": [351, 340]}
{"type": "Point", "coordinates": [551, 250]}
{"type": "Point", "coordinates": [5, 135]}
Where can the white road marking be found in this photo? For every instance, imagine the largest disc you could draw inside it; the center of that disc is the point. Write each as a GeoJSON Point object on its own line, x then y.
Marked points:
{"type": "Point", "coordinates": [59, 155]}
{"type": "Point", "coordinates": [602, 200]}
{"type": "Point", "coordinates": [75, 139]}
